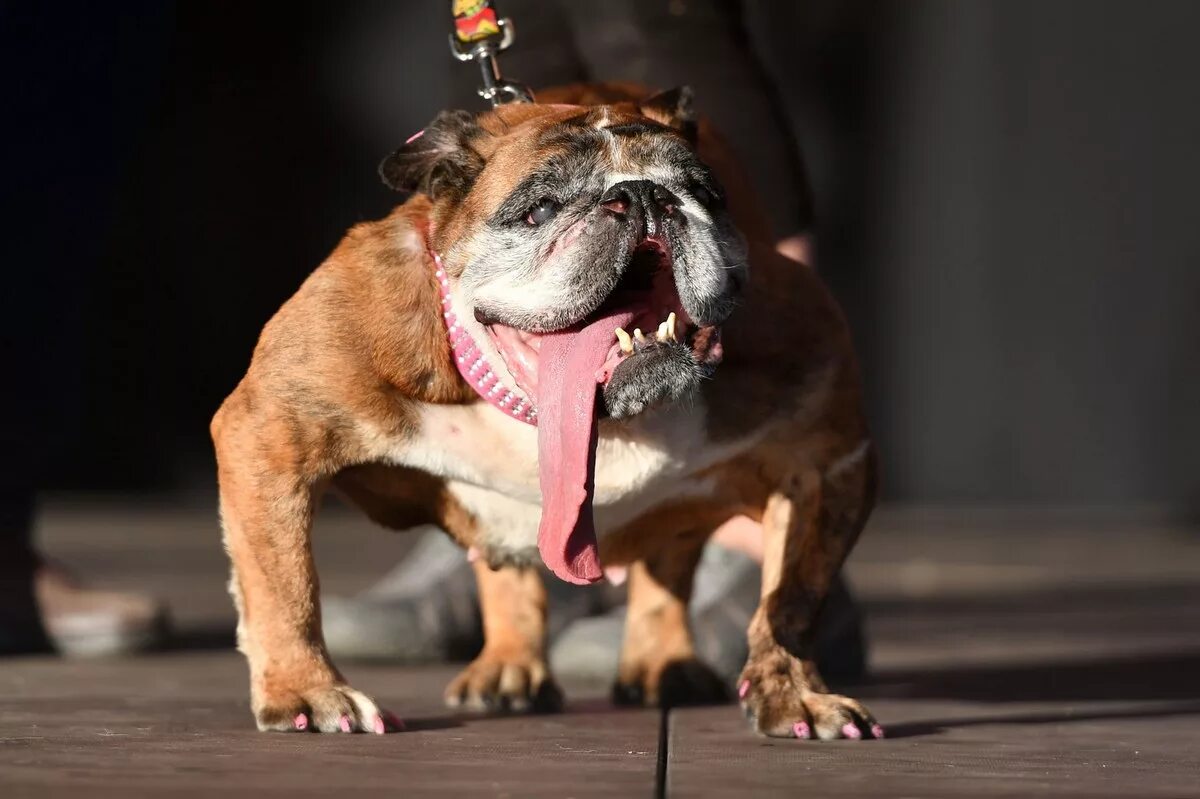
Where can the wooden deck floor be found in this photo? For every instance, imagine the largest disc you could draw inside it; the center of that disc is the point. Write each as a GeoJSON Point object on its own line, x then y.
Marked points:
{"type": "Point", "coordinates": [1012, 656]}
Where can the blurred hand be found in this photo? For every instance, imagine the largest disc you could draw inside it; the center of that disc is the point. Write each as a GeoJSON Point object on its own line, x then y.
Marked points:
{"type": "Point", "coordinates": [799, 248]}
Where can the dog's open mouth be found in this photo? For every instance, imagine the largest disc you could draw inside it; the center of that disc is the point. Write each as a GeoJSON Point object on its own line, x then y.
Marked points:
{"type": "Point", "coordinates": [643, 313]}
{"type": "Point", "coordinates": [642, 322]}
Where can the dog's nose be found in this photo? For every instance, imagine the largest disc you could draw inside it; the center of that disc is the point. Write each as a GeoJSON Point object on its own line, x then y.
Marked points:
{"type": "Point", "coordinates": [643, 200]}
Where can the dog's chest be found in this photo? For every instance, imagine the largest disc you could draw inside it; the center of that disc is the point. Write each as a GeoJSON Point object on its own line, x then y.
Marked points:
{"type": "Point", "coordinates": [490, 463]}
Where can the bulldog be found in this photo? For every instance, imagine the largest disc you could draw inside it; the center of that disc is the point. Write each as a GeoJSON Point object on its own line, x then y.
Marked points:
{"type": "Point", "coordinates": [560, 349]}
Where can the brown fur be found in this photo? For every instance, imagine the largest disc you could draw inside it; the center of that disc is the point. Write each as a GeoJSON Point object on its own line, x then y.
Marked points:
{"type": "Point", "coordinates": [658, 663]}
{"type": "Point", "coordinates": [362, 341]}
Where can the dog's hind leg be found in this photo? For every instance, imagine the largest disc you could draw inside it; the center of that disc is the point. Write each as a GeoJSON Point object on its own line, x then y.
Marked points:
{"type": "Point", "coordinates": [511, 673]}
{"type": "Point", "coordinates": [658, 664]}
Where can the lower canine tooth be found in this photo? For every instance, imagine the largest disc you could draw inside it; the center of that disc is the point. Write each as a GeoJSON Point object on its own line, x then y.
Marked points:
{"type": "Point", "coordinates": [671, 326]}
{"type": "Point", "coordinates": [661, 335]}
{"type": "Point", "coordinates": [637, 334]}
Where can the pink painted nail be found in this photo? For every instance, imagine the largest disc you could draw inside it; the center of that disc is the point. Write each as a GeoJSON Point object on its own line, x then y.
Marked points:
{"type": "Point", "coordinates": [414, 137]}
{"type": "Point", "coordinates": [852, 731]}
{"type": "Point", "coordinates": [378, 725]}
{"type": "Point", "coordinates": [743, 689]}
{"type": "Point", "coordinates": [301, 722]}
{"type": "Point", "coordinates": [801, 730]}
{"type": "Point", "coordinates": [344, 723]}
{"type": "Point", "coordinates": [394, 721]}
{"type": "Point", "coordinates": [877, 730]}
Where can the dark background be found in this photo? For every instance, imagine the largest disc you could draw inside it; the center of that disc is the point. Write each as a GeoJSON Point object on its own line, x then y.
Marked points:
{"type": "Point", "coordinates": [1005, 202]}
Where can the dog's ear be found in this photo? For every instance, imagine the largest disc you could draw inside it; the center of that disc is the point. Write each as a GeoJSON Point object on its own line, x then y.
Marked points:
{"type": "Point", "coordinates": [675, 108]}
{"type": "Point", "coordinates": [439, 160]}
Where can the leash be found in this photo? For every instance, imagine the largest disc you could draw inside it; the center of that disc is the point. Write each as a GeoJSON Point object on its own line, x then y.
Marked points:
{"type": "Point", "coordinates": [480, 33]}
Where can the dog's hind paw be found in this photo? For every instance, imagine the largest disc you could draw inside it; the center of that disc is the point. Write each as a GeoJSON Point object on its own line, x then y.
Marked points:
{"type": "Point", "coordinates": [493, 683]}
{"type": "Point", "coordinates": [679, 682]}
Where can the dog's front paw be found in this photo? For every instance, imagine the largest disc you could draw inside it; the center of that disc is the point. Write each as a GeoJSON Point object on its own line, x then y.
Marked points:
{"type": "Point", "coordinates": [335, 707]}
{"type": "Point", "coordinates": [779, 694]}
{"type": "Point", "coordinates": [495, 682]}
{"type": "Point", "coordinates": [658, 373]}
{"type": "Point", "coordinates": [673, 683]}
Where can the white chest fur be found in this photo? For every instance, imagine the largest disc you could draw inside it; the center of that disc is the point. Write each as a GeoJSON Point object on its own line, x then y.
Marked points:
{"type": "Point", "coordinates": [491, 464]}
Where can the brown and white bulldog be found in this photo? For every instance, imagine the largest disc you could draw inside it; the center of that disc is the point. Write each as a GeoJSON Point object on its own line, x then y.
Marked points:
{"type": "Point", "coordinates": [561, 350]}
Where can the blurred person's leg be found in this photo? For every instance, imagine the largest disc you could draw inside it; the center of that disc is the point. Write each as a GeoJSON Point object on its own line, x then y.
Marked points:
{"type": "Point", "coordinates": [67, 133]}
{"type": "Point", "coordinates": [702, 44]}
{"type": "Point", "coordinates": [21, 629]}
{"type": "Point", "coordinates": [426, 609]}
{"type": "Point", "coordinates": [43, 607]}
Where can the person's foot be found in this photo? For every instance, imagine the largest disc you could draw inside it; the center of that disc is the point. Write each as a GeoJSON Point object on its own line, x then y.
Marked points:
{"type": "Point", "coordinates": [426, 609]}
{"type": "Point", "coordinates": [49, 610]}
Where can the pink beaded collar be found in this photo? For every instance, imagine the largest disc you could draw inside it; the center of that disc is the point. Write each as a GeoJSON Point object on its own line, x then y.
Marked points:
{"type": "Point", "coordinates": [468, 357]}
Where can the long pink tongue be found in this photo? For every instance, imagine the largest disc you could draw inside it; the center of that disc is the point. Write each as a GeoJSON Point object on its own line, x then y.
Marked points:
{"type": "Point", "coordinates": [568, 362]}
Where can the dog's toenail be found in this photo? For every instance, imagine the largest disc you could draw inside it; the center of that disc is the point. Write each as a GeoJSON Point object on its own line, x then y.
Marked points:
{"type": "Point", "coordinates": [877, 730]}
{"type": "Point", "coordinates": [301, 722]}
{"type": "Point", "coordinates": [344, 723]}
{"type": "Point", "coordinates": [801, 730]}
{"type": "Point", "coordinates": [852, 731]}
{"type": "Point", "coordinates": [743, 689]}
{"type": "Point", "coordinates": [378, 725]}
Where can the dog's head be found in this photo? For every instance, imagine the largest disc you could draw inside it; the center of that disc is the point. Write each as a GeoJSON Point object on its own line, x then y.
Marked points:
{"type": "Point", "coordinates": [560, 218]}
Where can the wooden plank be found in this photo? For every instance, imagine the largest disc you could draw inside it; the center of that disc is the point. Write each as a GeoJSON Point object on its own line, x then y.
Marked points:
{"type": "Point", "coordinates": [940, 749]}
{"type": "Point", "coordinates": [1080, 688]}
{"type": "Point", "coordinates": [179, 725]}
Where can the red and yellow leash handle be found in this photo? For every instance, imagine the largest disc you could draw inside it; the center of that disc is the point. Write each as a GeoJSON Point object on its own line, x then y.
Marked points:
{"type": "Point", "coordinates": [475, 20]}
{"type": "Point", "coordinates": [479, 34]}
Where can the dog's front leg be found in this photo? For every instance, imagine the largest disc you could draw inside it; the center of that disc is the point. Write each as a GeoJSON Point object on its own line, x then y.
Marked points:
{"type": "Point", "coordinates": [266, 512]}
{"type": "Point", "coordinates": [809, 526]}
{"type": "Point", "coordinates": [511, 672]}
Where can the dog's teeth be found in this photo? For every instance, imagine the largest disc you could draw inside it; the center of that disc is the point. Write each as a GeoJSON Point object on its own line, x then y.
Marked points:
{"type": "Point", "coordinates": [637, 334]}
{"type": "Point", "coordinates": [671, 326]}
{"type": "Point", "coordinates": [626, 342]}
{"type": "Point", "coordinates": [661, 335]}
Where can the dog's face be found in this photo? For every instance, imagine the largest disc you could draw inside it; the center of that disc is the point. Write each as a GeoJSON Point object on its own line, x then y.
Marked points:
{"type": "Point", "coordinates": [584, 221]}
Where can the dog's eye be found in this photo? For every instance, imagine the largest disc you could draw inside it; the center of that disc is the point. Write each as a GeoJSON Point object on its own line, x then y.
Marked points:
{"type": "Point", "coordinates": [703, 196]}
{"type": "Point", "coordinates": [542, 211]}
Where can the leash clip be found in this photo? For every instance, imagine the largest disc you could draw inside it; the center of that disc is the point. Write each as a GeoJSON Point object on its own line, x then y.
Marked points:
{"type": "Point", "coordinates": [496, 89]}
